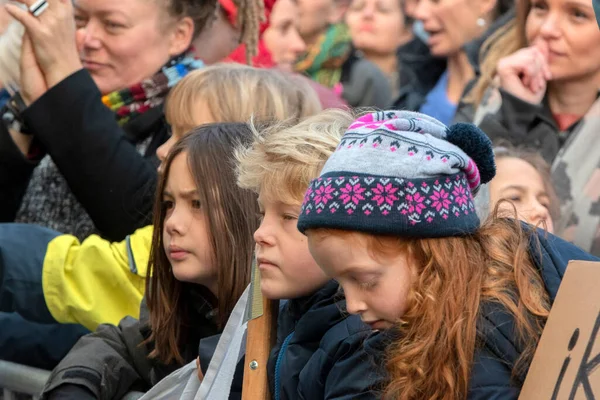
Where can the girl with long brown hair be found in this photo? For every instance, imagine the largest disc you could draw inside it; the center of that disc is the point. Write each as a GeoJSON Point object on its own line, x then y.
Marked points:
{"type": "Point", "coordinates": [199, 266]}
{"type": "Point", "coordinates": [392, 219]}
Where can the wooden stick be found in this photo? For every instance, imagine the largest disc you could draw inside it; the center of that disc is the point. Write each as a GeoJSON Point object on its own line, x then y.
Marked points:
{"type": "Point", "coordinates": [261, 336]}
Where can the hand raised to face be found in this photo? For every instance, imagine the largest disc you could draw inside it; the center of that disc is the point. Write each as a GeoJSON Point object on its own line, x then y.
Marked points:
{"type": "Point", "coordinates": [525, 73]}
{"type": "Point", "coordinates": [52, 34]}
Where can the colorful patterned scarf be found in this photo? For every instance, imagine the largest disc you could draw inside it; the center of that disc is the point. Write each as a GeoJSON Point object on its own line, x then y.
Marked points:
{"type": "Point", "coordinates": [323, 61]}
{"type": "Point", "coordinates": [137, 99]}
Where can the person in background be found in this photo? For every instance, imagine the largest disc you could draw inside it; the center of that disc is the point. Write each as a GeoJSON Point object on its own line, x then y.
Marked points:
{"type": "Point", "coordinates": [378, 28]}
{"type": "Point", "coordinates": [83, 157]}
{"type": "Point", "coordinates": [221, 40]}
{"type": "Point", "coordinates": [76, 147]}
{"type": "Point", "coordinates": [319, 351]}
{"type": "Point", "coordinates": [202, 250]}
{"type": "Point", "coordinates": [450, 25]}
{"type": "Point", "coordinates": [46, 180]}
{"type": "Point", "coordinates": [278, 44]}
{"type": "Point", "coordinates": [282, 37]}
{"type": "Point", "coordinates": [282, 40]}
{"type": "Point", "coordinates": [462, 302]}
{"type": "Point", "coordinates": [54, 279]}
{"type": "Point", "coordinates": [539, 88]}
{"type": "Point", "coordinates": [331, 61]}
{"type": "Point", "coordinates": [523, 185]}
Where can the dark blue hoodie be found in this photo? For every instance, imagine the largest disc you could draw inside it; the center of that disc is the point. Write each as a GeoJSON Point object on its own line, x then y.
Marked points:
{"type": "Point", "coordinates": [494, 361]}
{"type": "Point", "coordinates": [319, 352]}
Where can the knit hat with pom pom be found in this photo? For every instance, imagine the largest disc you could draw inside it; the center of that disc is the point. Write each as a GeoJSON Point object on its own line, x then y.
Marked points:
{"type": "Point", "coordinates": [404, 174]}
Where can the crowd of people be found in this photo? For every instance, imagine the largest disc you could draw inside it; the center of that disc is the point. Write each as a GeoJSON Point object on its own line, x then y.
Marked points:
{"type": "Point", "coordinates": [411, 178]}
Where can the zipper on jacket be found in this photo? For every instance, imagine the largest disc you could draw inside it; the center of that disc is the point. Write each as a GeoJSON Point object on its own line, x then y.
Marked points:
{"type": "Point", "coordinates": [131, 259]}
{"type": "Point", "coordinates": [280, 356]}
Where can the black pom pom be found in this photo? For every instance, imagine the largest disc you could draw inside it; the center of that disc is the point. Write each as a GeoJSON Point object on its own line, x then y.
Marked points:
{"type": "Point", "coordinates": [477, 145]}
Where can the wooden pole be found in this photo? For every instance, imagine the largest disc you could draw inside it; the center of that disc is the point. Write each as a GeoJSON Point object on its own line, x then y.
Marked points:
{"type": "Point", "coordinates": [261, 336]}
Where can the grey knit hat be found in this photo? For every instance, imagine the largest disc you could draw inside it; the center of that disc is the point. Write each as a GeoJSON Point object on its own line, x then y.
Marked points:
{"type": "Point", "coordinates": [401, 173]}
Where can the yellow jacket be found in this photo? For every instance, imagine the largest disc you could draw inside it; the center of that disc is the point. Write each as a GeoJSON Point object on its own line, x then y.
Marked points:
{"type": "Point", "coordinates": [96, 281]}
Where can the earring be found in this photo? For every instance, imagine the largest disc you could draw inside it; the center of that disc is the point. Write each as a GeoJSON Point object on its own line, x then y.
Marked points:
{"type": "Point", "coordinates": [481, 22]}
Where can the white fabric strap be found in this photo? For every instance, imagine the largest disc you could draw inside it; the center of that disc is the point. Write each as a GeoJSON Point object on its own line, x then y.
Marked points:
{"type": "Point", "coordinates": [219, 376]}
{"type": "Point", "coordinates": [183, 384]}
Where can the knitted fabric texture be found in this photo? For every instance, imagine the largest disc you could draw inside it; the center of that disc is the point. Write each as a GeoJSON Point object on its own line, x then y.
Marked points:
{"type": "Point", "coordinates": [141, 97]}
{"type": "Point", "coordinates": [323, 61]}
{"type": "Point", "coordinates": [397, 173]}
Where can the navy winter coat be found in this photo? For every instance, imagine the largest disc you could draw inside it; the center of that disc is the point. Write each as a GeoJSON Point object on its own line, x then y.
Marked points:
{"type": "Point", "coordinates": [319, 352]}
{"type": "Point", "coordinates": [491, 374]}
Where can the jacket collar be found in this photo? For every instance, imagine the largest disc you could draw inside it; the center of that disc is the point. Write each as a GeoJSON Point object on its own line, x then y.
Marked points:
{"type": "Point", "coordinates": [311, 316]}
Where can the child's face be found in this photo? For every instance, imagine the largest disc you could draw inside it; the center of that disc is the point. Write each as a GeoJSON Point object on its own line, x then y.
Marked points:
{"type": "Point", "coordinates": [186, 237]}
{"type": "Point", "coordinates": [287, 270]}
{"type": "Point", "coordinates": [375, 288]}
{"type": "Point", "coordinates": [519, 182]}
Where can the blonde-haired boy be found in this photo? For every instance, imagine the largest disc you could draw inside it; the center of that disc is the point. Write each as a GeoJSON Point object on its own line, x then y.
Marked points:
{"type": "Point", "coordinates": [319, 352]}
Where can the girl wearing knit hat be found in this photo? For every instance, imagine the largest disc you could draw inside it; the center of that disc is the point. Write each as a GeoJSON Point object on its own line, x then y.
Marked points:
{"type": "Point", "coordinates": [392, 219]}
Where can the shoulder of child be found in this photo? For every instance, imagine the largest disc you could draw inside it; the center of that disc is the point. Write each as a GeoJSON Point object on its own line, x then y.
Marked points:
{"type": "Point", "coordinates": [348, 333]}
{"type": "Point", "coordinates": [551, 255]}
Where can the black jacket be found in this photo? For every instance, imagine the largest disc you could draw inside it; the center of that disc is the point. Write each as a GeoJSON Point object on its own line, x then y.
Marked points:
{"type": "Point", "coordinates": [110, 362]}
{"type": "Point", "coordinates": [419, 72]}
{"type": "Point", "coordinates": [98, 159]}
{"type": "Point", "coordinates": [364, 85]}
{"type": "Point", "coordinates": [525, 124]}
{"type": "Point", "coordinates": [323, 355]}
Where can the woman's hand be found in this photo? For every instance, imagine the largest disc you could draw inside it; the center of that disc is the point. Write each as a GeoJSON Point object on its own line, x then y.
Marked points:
{"type": "Point", "coordinates": [52, 35]}
{"type": "Point", "coordinates": [33, 84]}
{"type": "Point", "coordinates": [525, 73]}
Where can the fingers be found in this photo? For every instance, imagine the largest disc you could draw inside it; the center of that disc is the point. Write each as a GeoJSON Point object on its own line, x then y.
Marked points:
{"type": "Point", "coordinates": [542, 50]}
{"type": "Point", "coordinates": [28, 3]}
{"type": "Point", "coordinates": [536, 71]}
{"type": "Point", "coordinates": [25, 48]}
{"type": "Point", "coordinates": [541, 58]}
{"type": "Point", "coordinates": [30, 22]}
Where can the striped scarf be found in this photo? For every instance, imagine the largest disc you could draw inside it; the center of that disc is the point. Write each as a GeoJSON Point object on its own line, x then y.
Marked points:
{"type": "Point", "coordinates": [323, 61]}
{"type": "Point", "coordinates": [139, 98]}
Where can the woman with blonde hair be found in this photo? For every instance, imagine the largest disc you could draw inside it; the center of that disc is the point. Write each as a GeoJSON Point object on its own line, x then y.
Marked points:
{"type": "Point", "coordinates": [539, 89]}
{"type": "Point", "coordinates": [78, 284]}
{"type": "Point", "coordinates": [78, 142]}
